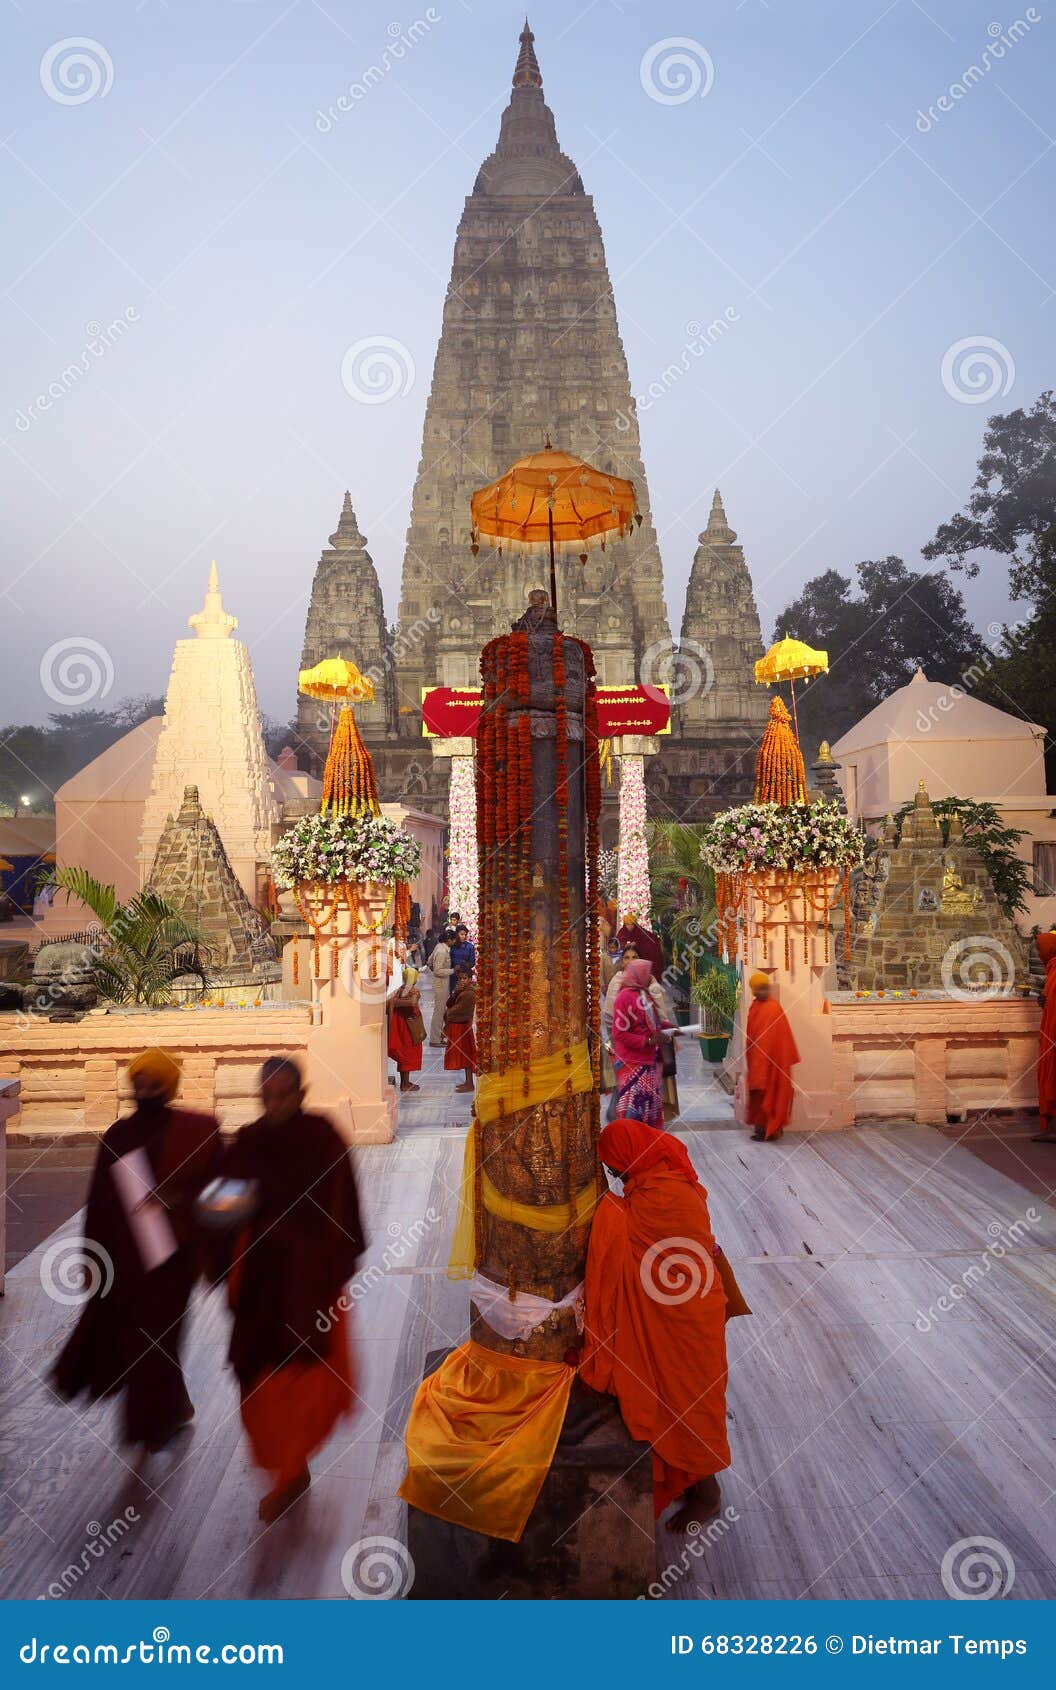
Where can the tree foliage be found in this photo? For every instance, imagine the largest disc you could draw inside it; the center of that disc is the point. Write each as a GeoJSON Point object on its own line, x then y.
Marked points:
{"type": "Point", "coordinates": [35, 761]}
{"type": "Point", "coordinates": [1012, 507]}
{"type": "Point", "coordinates": [897, 621]}
{"type": "Point", "coordinates": [146, 942]}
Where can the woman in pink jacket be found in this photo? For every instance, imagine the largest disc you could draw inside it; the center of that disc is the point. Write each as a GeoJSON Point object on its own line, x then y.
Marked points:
{"type": "Point", "coordinates": [636, 1048]}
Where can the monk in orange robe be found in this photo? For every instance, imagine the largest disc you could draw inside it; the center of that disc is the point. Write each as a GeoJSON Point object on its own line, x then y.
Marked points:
{"type": "Point", "coordinates": [655, 1320]}
{"type": "Point", "coordinates": [290, 1341]}
{"type": "Point", "coordinates": [1047, 1043]}
{"type": "Point", "coordinates": [771, 1055]}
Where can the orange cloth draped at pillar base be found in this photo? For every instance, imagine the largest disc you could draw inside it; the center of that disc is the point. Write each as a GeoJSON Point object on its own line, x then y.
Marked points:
{"type": "Point", "coordinates": [771, 1055]}
{"type": "Point", "coordinates": [290, 1412]}
{"type": "Point", "coordinates": [1047, 1041]}
{"type": "Point", "coordinates": [655, 1331]}
{"type": "Point", "coordinates": [481, 1438]}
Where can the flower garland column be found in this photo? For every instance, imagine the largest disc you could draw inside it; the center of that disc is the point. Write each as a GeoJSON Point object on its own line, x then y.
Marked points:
{"type": "Point", "coordinates": [462, 846]}
{"type": "Point", "coordinates": [633, 892]}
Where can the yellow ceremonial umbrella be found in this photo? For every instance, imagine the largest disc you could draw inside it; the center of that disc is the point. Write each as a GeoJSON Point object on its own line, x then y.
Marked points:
{"type": "Point", "coordinates": [791, 660]}
{"type": "Point", "coordinates": [335, 678]}
{"type": "Point", "coordinates": [554, 499]}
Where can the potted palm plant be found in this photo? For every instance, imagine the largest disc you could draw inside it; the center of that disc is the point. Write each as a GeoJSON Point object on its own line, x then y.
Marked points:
{"type": "Point", "coordinates": [716, 991]}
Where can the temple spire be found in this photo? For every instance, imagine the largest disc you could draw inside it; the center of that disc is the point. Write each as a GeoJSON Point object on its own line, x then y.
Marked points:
{"type": "Point", "coordinates": [718, 527]}
{"type": "Point", "coordinates": [526, 72]}
{"type": "Point", "coordinates": [347, 534]}
{"type": "Point", "coordinates": [212, 622]}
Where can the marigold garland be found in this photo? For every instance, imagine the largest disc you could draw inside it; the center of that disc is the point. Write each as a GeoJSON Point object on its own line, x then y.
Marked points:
{"type": "Point", "coordinates": [349, 783]}
{"type": "Point", "coordinates": [780, 774]}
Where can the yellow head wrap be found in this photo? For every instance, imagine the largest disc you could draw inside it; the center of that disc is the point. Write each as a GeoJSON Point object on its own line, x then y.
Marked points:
{"type": "Point", "coordinates": [410, 975]}
{"type": "Point", "coordinates": [159, 1065]}
{"type": "Point", "coordinates": [758, 979]}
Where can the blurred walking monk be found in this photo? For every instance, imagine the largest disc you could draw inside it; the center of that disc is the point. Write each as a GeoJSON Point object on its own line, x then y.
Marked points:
{"type": "Point", "coordinates": [290, 1340]}
{"type": "Point", "coordinates": [656, 1311]}
{"type": "Point", "coordinates": [771, 1055]}
{"type": "Point", "coordinates": [139, 1240]}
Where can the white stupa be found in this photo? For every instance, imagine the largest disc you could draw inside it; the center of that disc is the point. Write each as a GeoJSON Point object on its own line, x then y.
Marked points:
{"type": "Point", "coordinates": [211, 736]}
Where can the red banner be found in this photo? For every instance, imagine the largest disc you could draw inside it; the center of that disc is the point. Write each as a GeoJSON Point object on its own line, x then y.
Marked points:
{"type": "Point", "coordinates": [454, 712]}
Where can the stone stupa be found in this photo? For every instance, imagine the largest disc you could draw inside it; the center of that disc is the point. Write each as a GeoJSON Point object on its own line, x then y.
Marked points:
{"type": "Point", "coordinates": [211, 730]}
{"type": "Point", "coordinates": [191, 870]}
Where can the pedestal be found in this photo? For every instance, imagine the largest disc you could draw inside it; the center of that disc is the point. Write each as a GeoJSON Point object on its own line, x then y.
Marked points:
{"type": "Point", "coordinates": [590, 1534]}
{"type": "Point", "coordinates": [788, 935]}
{"type": "Point", "coordinates": [348, 1040]}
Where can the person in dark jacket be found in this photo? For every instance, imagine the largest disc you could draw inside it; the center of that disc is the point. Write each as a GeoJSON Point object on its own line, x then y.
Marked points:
{"type": "Point", "coordinates": [290, 1340]}
{"type": "Point", "coordinates": [140, 1257]}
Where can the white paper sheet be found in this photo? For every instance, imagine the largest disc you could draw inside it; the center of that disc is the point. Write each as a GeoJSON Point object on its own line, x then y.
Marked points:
{"type": "Point", "coordinates": [151, 1227]}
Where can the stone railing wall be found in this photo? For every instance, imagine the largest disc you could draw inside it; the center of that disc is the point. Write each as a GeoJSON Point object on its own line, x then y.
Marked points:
{"type": "Point", "coordinates": [927, 1058]}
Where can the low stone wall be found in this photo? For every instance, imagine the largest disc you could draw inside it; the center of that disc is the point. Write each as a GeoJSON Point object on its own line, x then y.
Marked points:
{"type": "Point", "coordinates": [73, 1074]}
{"type": "Point", "coordinates": [928, 1058]}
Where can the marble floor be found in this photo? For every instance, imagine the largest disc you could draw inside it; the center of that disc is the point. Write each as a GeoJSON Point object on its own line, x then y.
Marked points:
{"type": "Point", "coordinates": [874, 1433]}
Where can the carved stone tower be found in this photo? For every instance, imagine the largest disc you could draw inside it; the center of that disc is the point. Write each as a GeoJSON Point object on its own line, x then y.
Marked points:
{"type": "Point", "coordinates": [529, 346]}
{"type": "Point", "coordinates": [346, 618]}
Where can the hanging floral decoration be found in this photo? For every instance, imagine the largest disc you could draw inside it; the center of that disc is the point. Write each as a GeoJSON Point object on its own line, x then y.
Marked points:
{"type": "Point", "coordinates": [608, 874]}
{"type": "Point", "coordinates": [780, 776]}
{"type": "Point", "coordinates": [462, 850]}
{"type": "Point", "coordinates": [794, 858]}
{"type": "Point", "coordinates": [633, 892]}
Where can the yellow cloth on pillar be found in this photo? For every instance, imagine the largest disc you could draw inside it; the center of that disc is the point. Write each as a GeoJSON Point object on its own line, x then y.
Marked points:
{"type": "Point", "coordinates": [549, 1077]}
{"type": "Point", "coordinates": [542, 1217]}
{"type": "Point", "coordinates": [481, 1438]}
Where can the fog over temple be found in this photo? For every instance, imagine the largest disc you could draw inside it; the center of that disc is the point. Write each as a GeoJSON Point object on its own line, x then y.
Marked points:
{"type": "Point", "coordinates": [530, 347]}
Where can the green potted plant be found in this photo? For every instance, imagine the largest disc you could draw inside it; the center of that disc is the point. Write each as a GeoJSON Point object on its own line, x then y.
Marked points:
{"type": "Point", "coordinates": [716, 991]}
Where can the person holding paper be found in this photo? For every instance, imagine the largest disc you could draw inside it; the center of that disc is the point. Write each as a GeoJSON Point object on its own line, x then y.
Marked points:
{"type": "Point", "coordinates": [290, 1342]}
{"type": "Point", "coordinates": [139, 1233]}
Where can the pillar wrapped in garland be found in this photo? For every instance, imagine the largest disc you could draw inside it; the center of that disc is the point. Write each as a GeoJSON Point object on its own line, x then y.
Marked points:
{"type": "Point", "coordinates": [462, 843]}
{"type": "Point", "coordinates": [485, 1424]}
{"type": "Point", "coordinates": [633, 892]}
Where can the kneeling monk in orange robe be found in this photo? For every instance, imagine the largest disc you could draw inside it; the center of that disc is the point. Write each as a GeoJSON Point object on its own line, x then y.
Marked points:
{"type": "Point", "coordinates": [1047, 1043]}
{"type": "Point", "coordinates": [289, 1343]}
{"type": "Point", "coordinates": [656, 1309]}
{"type": "Point", "coordinates": [771, 1055]}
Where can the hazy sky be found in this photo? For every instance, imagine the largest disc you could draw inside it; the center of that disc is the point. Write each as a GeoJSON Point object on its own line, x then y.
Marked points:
{"type": "Point", "coordinates": [181, 185]}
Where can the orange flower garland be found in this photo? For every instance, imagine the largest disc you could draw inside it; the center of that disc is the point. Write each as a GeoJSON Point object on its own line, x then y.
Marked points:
{"type": "Point", "coordinates": [349, 783]}
{"type": "Point", "coordinates": [780, 774]}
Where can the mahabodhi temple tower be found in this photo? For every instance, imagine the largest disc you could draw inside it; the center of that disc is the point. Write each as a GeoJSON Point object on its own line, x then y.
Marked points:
{"type": "Point", "coordinates": [530, 347]}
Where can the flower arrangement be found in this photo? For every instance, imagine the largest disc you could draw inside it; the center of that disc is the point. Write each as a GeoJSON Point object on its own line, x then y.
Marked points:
{"type": "Point", "coordinates": [608, 873]}
{"type": "Point", "coordinates": [757, 837]}
{"type": "Point", "coordinates": [462, 853]}
{"type": "Point", "coordinates": [633, 893]}
{"type": "Point", "coordinates": [336, 848]}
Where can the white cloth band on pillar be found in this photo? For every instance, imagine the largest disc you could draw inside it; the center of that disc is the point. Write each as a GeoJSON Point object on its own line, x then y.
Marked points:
{"type": "Point", "coordinates": [520, 1318]}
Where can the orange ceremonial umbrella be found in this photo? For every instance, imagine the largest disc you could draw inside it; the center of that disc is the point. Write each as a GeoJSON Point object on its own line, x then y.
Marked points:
{"type": "Point", "coordinates": [791, 660]}
{"type": "Point", "coordinates": [554, 499]}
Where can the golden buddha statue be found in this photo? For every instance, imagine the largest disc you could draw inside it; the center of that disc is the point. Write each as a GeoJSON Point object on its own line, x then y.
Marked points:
{"type": "Point", "coordinates": [956, 900]}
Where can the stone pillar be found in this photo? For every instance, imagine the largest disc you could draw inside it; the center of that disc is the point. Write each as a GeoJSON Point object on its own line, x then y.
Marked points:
{"type": "Point", "coordinates": [348, 1041]}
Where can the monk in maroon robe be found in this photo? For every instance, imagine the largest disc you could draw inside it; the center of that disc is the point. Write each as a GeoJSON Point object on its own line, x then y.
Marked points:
{"type": "Point", "coordinates": [770, 1056]}
{"type": "Point", "coordinates": [1047, 1043]}
{"type": "Point", "coordinates": [289, 1342]}
{"type": "Point", "coordinates": [128, 1336]}
{"type": "Point", "coordinates": [645, 943]}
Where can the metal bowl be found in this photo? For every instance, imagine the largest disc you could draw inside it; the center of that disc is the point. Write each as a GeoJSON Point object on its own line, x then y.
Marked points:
{"type": "Point", "coordinates": [226, 1204]}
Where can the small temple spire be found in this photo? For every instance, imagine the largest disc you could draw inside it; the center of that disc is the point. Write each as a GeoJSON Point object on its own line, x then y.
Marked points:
{"type": "Point", "coordinates": [347, 534]}
{"type": "Point", "coordinates": [718, 527]}
{"type": "Point", "coordinates": [212, 622]}
{"type": "Point", "coordinates": [526, 72]}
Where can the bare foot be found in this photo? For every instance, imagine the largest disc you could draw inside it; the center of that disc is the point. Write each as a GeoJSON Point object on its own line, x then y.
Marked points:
{"type": "Point", "coordinates": [700, 1504]}
{"type": "Point", "coordinates": [283, 1496]}
{"type": "Point", "coordinates": [464, 1088]}
{"type": "Point", "coordinates": [1043, 1138]}
{"type": "Point", "coordinates": [410, 1088]}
